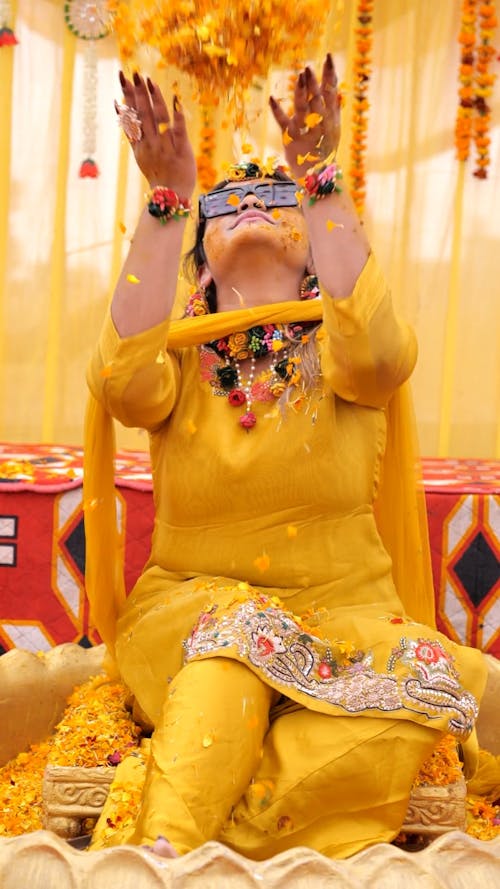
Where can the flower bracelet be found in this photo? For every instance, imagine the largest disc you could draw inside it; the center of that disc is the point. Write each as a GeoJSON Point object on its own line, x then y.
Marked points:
{"type": "Point", "coordinates": [165, 204]}
{"type": "Point", "coordinates": [322, 180]}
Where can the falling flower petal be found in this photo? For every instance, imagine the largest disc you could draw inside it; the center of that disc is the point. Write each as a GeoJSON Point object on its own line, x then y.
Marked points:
{"type": "Point", "coordinates": [313, 119]}
{"type": "Point", "coordinates": [122, 227]}
{"type": "Point", "coordinates": [207, 741]}
{"type": "Point", "coordinates": [162, 128]}
{"type": "Point", "coordinates": [287, 138]}
{"type": "Point", "coordinates": [233, 200]}
{"type": "Point", "coordinates": [262, 562]}
{"type": "Point", "coordinates": [330, 224]}
{"type": "Point", "coordinates": [132, 279]}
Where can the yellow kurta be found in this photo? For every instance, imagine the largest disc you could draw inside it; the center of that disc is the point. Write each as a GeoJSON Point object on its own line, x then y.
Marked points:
{"type": "Point", "coordinates": [266, 551]}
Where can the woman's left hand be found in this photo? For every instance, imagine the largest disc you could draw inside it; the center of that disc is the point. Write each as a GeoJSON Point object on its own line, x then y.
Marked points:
{"type": "Point", "coordinates": [313, 130]}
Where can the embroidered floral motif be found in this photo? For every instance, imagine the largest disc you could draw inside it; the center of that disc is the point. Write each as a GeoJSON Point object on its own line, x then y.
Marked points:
{"type": "Point", "coordinates": [276, 642]}
{"type": "Point", "coordinates": [435, 682]}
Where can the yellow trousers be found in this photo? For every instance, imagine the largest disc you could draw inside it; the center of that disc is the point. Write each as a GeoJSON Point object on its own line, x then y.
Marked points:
{"type": "Point", "coordinates": [219, 771]}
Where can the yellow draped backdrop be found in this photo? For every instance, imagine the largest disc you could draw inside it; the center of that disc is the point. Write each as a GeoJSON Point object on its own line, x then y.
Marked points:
{"type": "Point", "coordinates": [435, 228]}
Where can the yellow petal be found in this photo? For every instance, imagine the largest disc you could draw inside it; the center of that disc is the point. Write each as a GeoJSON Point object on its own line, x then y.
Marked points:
{"type": "Point", "coordinates": [247, 148]}
{"type": "Point", "coordinates": [160, 358]}
{"type": "Point", "coordinates": [233, 200]}
{"type": "Point", "coordinates": [313, 119]}
{"type": "Point", "coordinates": [277, 345]}
{"type": "Point", "coordinates": [207, 741]}
{"type": "Point", "coordinates": [162, 128]}
{"type": "Point", "coordinates": [132, 279]}
{"type": "Point", "coordinates": [291, 531]}
{"type": "Point", "coordinates": [262, 562]}
{"type": "Point", "coordinates": [330, 224]}
{"type": "Point", "coordinates": [287, 138]}
{"type": "Point", "coordinates": [276, 214]}
{"type": "Point", "coordinates": [122, 227]}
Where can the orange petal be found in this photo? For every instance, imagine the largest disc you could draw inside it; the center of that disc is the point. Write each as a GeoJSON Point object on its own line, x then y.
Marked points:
{"type": "Point", "coordinates": [313, 119]}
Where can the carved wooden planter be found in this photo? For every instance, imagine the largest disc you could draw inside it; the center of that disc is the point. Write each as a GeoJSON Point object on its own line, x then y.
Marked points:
{"type": "Point", "coordinates": [436, 810]}
{"type": "Point", "coordinates": [72, 794]}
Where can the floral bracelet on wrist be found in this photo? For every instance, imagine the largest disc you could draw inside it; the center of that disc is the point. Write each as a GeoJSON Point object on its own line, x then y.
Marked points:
{"type": "Point", "coordinates": [322, 180]}
{"type": "Point", "coordinates": [165, 204]}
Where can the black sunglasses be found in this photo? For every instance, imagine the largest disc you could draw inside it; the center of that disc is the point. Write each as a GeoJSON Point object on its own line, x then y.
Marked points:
{"type": "Point", "coordinates": [222, 201]}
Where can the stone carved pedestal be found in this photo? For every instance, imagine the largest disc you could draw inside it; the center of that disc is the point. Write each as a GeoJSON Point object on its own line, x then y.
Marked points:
{"type": "Point", "coordinates": [72, 794]}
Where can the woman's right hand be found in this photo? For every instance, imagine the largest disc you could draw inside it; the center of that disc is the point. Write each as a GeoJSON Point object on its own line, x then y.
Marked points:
{"type": "Point", "coordinates": [164, 153]}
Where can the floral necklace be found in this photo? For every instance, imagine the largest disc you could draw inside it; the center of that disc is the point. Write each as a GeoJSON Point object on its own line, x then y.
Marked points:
{"type": "Point", "coordinates": [220, 366]}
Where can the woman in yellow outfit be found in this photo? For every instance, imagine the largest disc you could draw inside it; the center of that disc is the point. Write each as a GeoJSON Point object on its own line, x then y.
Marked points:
{"type": "Point", "coordinates": [293, 695]}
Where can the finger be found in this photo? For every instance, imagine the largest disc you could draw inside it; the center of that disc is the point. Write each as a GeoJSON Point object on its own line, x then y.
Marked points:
{"type": "Point", "coordinates": [127, 90]}
{"type": "Point", "coordinates": [279, 115]}
{"type": "Point", "coordinates": [301, 103]}
{"type": "Point", "coordinates": [314, 97]}
{"type": "Point", "coordinates": [144, 107]}
{"type": "Point", "coordinates": [160, 110]}
{"type": "Point", "coordinates": [330, 96]}
{"type": "Point", "coordinates": [329, 83]}
{"type": "Point", "coordinates": [179, 124]}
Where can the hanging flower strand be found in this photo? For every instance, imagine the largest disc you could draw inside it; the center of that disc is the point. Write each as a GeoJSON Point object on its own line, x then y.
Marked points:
{"type": "Point", "coordinates": [7, 36]}
{"type": "Point", "coordinates": [88, 21]}
{"type": "Point", "coordinates": [362, 69]}
{"type": "Point", "coordinates": [477, 25]}
{"type": "Point", "coordinates": [467, 41]}
{"type": "Point", "coordinates": [484, 81]}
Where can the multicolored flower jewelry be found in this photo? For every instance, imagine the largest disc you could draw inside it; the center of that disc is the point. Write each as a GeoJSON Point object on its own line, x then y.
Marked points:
{"type": "Point", "coordinates": [219, 361]}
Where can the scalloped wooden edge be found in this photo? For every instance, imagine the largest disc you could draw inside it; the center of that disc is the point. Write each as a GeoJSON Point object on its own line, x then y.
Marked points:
{"type": "Point", "coordinates": [41, 859]}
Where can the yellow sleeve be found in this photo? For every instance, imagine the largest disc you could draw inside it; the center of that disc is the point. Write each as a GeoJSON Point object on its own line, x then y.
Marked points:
{"type": "Point", "coordinates": [366, 351]}
{"type": "Point", "coordinates": [134, 378]}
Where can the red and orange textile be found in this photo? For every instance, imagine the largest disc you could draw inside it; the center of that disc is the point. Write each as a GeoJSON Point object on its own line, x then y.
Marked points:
{"type": "Point", "coordinates": [42, 544]}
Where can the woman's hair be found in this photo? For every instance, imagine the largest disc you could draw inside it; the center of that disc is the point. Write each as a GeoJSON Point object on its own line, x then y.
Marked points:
{"type": "Point", "coordinates": [195, 257]}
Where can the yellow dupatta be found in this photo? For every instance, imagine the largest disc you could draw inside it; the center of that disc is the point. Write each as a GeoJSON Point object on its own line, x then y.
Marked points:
{"type": "Point", "coordinates": [400, 508]}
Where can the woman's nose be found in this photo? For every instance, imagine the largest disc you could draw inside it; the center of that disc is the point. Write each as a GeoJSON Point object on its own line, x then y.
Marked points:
{"type": "Point", "coordinates": [250, 200]}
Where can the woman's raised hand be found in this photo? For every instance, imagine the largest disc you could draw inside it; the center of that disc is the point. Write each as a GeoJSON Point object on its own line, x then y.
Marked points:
{"type": "Point", "coordinates": [313, 130]}
{"type": "Point", "coordinates": [160, 141]}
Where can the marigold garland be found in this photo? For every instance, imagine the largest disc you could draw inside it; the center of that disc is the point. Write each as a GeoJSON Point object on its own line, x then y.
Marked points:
{"type": "Point", "coordinates": [477, 25]}
{"type": "Point", "coordinates": [362, 69]}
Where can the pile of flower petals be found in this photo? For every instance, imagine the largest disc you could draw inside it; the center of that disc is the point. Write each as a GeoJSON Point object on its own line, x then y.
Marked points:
{"type": "Point", "coordinates": [96, 730]}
